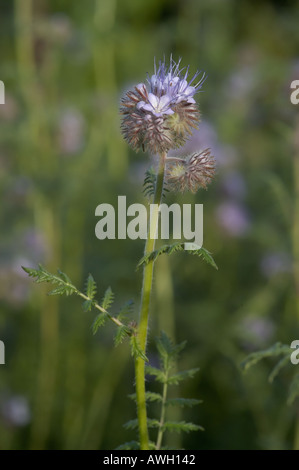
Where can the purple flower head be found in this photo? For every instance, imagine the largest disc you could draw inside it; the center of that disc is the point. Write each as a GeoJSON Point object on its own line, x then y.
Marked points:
{"type": "Point", "coordinates": [156, 105]}
{"type": "Point", "coordinates": [162, 113]}
{"type": "Point", "coordinates": [169, 87]}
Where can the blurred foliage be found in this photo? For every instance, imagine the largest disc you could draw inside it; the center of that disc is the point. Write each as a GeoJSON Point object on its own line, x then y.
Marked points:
{"type": "Point", "coordinates": [65, 66]}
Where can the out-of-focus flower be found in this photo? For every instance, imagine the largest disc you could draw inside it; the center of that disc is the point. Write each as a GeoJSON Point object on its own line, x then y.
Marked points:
{"type": "Point", "coordinates": [16, 411]}
{"type": "Point", "coordinates": [71, 131]}
{"type": "Point", "coordinates": [9, 111]}
{"type": "Point", "coordinates": [233, 185]}
{"type": "Point", "coordinates": [233, 218]}
{"type": "Point", "coordinates": [161, 114]}
{"type": "Point", "coordinates": [241, 83]}
{"type": "Point", "coordinates": [14, 285]}
{"type": "Point", "coordinates": [34, 243]}
{"type": "Point", "coordinates": [256, 331]}
{"type": "Point", "coordinates": [275, 263]}
{"type": "Point", "coordinates": [192, 173]}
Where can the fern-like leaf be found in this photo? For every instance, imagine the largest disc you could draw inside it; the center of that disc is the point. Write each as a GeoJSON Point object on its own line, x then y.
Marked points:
{"type": "Point", "coordinates": [133, 423]}
{"type": "Point", "coordinates": [121, 333]}
{"type": "Point", "coordinates": [175, 379]}
{"type": "Point", "coordinates": [125, 310]}
{"type": "Point", "coordinates": [181, 426]}
{"type": "Point", "coordinates": [61, 280]}
{"type": "Point", "coordinates": [107, 299]}
{"type": "Point", "coordinates": [99, 321]}
{"type": "Point", "coordinates": [91, 287]}
{"type": "Point", "coordinates": [174, 248]}
{"type": "Point", "coordinates": [87, 305]}
{"type": "Point", "coordinates": [149, 183]}
{"type": "Point", "coordinates": [149, 396]}
{"type": "Point", "coordinates": [277, 349]}
{"type": "Point", "coordinates": [136, 350]}
{"type": "Point", "coordinates": [168, 351]}
{"type": "Point", "coordinates": [157, 373]}
{"type": "Point", "coordinates": [189, 402]}
{"type": "Point", "coordinates": [131, 445]}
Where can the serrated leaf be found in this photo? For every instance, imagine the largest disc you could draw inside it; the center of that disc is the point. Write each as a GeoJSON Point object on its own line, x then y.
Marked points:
{"type": "Point", "coordinates": [121, 333]}
{"type": "Point", "coordinates": [62, 290]}
{"type": "Point", "coordinates": [91, 287]}
{"type": "Point", "coordinates": [189, 402]}
{"type": "Point", "coordinates": [277, 349]}
{"type": "Point", "coordinates": [125, 310]}
{"type": "Point", "coordinates": [136, 350]}
{"type": "Point", "coordinates": [149, 396]}
{"type": "Point", "coordinates": [176, 247]}
{"type": "Point", "coordinates": [180, 376]}
{"type": "Point", "coordinates": [107, 299]}
{"type": "Point", "coordinates": [87, 305]}
{"type": "Point", "coordinates": [133, 424]}
{"type": "Point", "coordinates": [99, 321]}
{"type": "Point", "coordinates": [131, 445]}
{"type": "Point", "coordinates": [181, 426]}
{"type": "Point", "coordinates": [62, 281]}
{"type": "Point", "coordinates": [207, 256]}
{"type": "Point", "coordinates": [168, 351]}
{"type": "Point", "coordinates": [64, 277]}
{"type": "Point", "coordinates": [149, 182]}
{"type": "Point", "coordinates": [159, 374]}
{"type": "Point", "coordinates": [153, 397]}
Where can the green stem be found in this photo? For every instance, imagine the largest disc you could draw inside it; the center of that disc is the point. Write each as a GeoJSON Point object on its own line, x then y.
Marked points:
{"type": "Point", "coordinates": [144, 311]}
{"type": "Point", "coordinates": [162, 418]}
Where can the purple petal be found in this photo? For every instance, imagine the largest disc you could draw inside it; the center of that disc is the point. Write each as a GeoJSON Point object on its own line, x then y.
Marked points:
{"type": "Point", "coordinates": [164, 101]}
{"type": "Point", "coordinates": [153, 100]}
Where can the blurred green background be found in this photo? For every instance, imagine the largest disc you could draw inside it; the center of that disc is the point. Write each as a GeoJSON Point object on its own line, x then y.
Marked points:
{"type": "Point", "coordinates": [65, 66]}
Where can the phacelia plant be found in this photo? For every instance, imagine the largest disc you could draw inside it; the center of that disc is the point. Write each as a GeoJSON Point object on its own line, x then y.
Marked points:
{"type": "Point", "coordinates": [157, 115]}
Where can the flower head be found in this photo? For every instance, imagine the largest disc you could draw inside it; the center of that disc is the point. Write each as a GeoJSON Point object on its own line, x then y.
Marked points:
{"type": "Point", "coordinates": [192, 173]}
{"type": "Point", "coordinates": [161, 114]}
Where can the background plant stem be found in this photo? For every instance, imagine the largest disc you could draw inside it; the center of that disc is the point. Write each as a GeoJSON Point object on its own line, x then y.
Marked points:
{"type": "Point", "coordinates": [296, 247]}
{"type": "Point", "coordinates": [144, 310]}
{"type": "Point", "coordinates": [162, 419]}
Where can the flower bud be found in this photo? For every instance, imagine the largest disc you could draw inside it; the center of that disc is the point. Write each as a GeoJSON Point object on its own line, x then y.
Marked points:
{"type": "Point", "coordinates": [195, 172]}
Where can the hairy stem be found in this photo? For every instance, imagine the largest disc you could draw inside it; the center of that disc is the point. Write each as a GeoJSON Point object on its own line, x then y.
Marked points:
{"type": "Point", "coordinates": [144, 311]}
